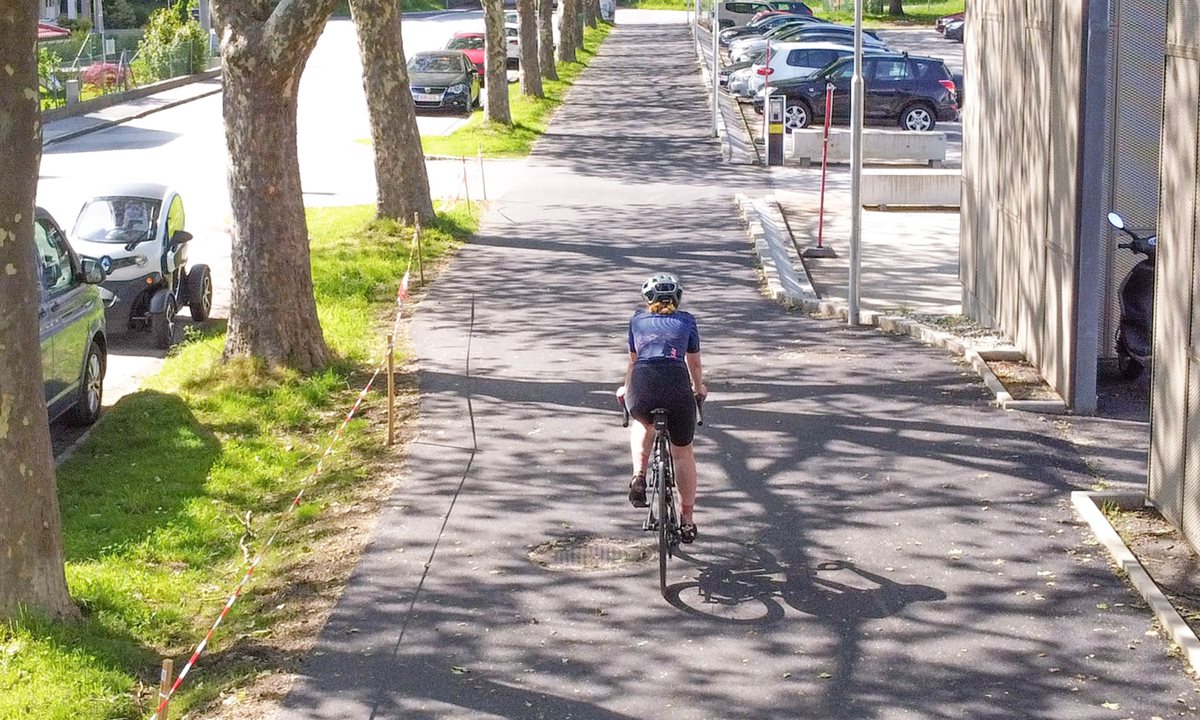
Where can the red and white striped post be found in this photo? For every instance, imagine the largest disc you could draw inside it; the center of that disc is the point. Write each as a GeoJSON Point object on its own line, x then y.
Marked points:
{"type": "Point", "coordinates": [824, 164]}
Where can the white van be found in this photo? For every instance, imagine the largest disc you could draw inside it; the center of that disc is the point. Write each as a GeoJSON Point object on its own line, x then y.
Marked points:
{"type": "Point", "coordinates": [738, 12]}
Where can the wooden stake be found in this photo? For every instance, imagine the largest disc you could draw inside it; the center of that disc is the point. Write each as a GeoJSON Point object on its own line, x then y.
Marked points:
{"type": "Point", "coordinates": [420, 249]}
{"type": "Point", "coordinates": [466, 187]}
{"type": "Point", "coordinates": [164, 690]}
{"type": "Point", "coordinates": [391, 370]}
{"type": "Point", "coordinates": [482, 177]}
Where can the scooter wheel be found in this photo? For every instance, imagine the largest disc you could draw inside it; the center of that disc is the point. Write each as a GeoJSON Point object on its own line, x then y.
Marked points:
{"type": "Point", "coordinates": [1130, 368]}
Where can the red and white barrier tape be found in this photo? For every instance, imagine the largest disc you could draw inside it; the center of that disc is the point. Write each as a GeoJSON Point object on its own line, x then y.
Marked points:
{"type": "Point", "coordinates": [401, 297]}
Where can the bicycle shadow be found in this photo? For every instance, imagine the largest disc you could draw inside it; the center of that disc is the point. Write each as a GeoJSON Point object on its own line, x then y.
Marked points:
{"type": "Point", "coordinates": [753, 587]}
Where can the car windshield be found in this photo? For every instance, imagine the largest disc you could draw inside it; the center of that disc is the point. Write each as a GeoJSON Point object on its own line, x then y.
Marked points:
{"type": "Point", "coordinates": [435, 64]}
{"type": "Point", "coordinates": [472, 42]}
{"type": "Point", "coordinates": [121, 220]}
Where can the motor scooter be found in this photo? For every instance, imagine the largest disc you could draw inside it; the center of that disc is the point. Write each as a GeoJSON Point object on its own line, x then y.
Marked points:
{"type": "Point", "coordinates": [1134, 331]}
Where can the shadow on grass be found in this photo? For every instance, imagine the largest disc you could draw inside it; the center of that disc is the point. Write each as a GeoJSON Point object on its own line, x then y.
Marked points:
{"type": "Point", "coordinates": [140, 467]}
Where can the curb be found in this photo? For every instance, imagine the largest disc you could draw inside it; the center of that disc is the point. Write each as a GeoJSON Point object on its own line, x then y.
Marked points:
{"type": "Point", "coordinates": [137, 94]}
{"type": "Point", "coordinates": [793, 288]}
{"type": "Point", "coordinates": [1087, 504]}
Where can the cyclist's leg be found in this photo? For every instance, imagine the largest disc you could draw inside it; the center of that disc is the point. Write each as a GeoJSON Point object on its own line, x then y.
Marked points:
{"type": "Point", "coordinates": [685, 477]}
{"type": "Point", "coordinates": [641, 436]}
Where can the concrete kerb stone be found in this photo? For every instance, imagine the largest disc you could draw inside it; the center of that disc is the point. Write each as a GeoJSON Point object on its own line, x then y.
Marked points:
{"type": "Point", "coordinates": [788, 282]}
{"type": "Point", "coordinates": [1088, 505]}
{"type": "Point", "coordinates": [756, 216]}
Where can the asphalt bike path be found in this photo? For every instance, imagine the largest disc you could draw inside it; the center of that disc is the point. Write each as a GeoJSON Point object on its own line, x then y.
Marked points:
{"type": "Point", "coordinates": [876, 541]}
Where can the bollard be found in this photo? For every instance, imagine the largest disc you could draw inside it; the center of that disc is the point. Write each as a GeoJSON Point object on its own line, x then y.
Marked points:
{"type": "Point", "coordinates": [482, 177]}
{"type": "Point", "coordinates": [164, 689]}
{"type": "Point", "coordinates": [391, 389]}
{"type": "Point", "coordinates": [72, 92]}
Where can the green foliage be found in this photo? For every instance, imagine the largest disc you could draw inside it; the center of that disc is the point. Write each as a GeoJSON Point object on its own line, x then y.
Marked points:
{"type": "Point", "coordinates": [76, 26]}
{"type": "Point", "coordinates": [530, 116]}
{"type": "Point", "coordinates": [171, 46]}
{"type": "Point", "coordinates": [119, 14]}
{"type": "Point", "coordinates": [876, 13]}
{"type": "Point", "coordinates": [154, 501]}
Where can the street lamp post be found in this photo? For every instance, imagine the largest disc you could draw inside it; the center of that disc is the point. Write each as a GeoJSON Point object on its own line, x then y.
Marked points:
{"type": "Point", "coordinates": [716, 70]}
{"type": "Point", "coordinates": [856, 161]}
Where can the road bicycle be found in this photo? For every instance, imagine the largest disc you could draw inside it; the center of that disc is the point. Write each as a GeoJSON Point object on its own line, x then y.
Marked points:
{"type": "Point", "coordinates": [662, 517]}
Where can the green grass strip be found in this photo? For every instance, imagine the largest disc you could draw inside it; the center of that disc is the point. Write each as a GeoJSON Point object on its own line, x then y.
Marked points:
{"type": "Point", "coordinates": [916, 13]}
{"type": "Point", "coordinates": [531, 117]}
{"type": "Point", "coordinates": [154, 501]}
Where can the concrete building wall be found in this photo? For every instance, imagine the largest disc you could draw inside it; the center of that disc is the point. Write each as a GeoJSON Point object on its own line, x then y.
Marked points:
{"type": "Point", "coordinates": [1063, 125]}
{"type": "Point", "coordinates": [1175, 389]}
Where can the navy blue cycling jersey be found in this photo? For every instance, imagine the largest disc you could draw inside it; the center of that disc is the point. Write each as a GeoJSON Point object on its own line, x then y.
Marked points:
{"type": "Point", "coordinates": [663, 337]}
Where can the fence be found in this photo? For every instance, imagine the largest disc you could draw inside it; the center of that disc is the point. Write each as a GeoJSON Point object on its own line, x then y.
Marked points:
{"type": "Point", "coordinates": [108, 63]}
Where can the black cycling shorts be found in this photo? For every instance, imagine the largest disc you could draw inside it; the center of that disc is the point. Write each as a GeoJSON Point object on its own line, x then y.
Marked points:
{"type": "Point", "coordinates": [664, 384]}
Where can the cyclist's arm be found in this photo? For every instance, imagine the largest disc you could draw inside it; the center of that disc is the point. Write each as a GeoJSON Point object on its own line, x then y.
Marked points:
{"type": "Point", "coordinates": [629, 369]}
{"type": "Point", "coordinates": [697, 373]}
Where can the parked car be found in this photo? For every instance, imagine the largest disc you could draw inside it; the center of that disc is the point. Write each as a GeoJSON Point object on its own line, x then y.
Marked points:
{"type": "Point", "coordinates": [793, 6]}
{"type": "Point", "coordinates": [812, 32]}
{"type": "Point", "coordinates": [913, 92]}
{"type": "Point", "coordinates": [739, 12]}
{"type": "Point", "coordinates": [768, 23]}
{"type": "Point", "coordinates": [785, 61]}
{"type": "Point", "coordinates": [136, 231]}
{"type": "Point", "coordinates": [940, 23]}
{"type": "Point", "coordinates": [729, 71]}
{"type": "Point", "coordinates": [470, 43]}
{"type": "Point", "coordinates": [443, 80]}
{"type": "Point", "coordinates": [512, 45]}
{"type": "Point", "coordinates": [954, 30]}
{"type": "Point", "coordinates": [71, 325]}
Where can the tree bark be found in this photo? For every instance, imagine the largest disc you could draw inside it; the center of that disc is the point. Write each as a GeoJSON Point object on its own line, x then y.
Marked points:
{"type": "Point", "coordinates": [400, 175]}
{"type": "Point", "coordinates": [31, 549]}
{"type": "Point", "coordinates": [591, 10]}
{"type": "Point", "coordinates": [545, 12]}
{"type": "Point", "coordinates": [896, 8]}
{"type": "Point", "coordinates": [566, 30]}
{"type": "Point", "coordinates": [273, 314]}
{"type": "Point", "coordinates": [531, 73]}
{"type": "Point", "coordinates": [495, 63]}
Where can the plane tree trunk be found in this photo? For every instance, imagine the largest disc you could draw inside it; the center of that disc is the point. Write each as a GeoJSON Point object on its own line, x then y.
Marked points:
{"type": "Point", "coordinates": [496, 63]}
{"type": "Point", "coordinates": [545, 27]}
{"type": "Point", "coordinates": [531, 73]}
{"type": "Point", "coordinates": [264, 49]}
{"type": "Point", "coordinates": [400, 174]}
{"type": "Point", "coordinates": [31, 549]}
{"type": "Point", "coordinates": [567, 21]}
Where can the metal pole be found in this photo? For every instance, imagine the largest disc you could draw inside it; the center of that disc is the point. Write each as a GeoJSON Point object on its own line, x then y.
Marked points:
{"type": "Point", "coordinates": [824, 164]}
{"type": "Point", "coordinates": [856, 131]}
{"type": "Point", "coordinates": [391, 389]}
{"type": "Point", "coordinates": [716, 70]}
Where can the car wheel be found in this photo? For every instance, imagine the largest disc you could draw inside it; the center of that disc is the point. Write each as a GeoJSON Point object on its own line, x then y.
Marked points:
{"type": "Point", "coordinates": [162, 325]}
{"type": "Point", "coordinates": [200, 292]}
{"type": "Point", "coordinates": [917, 117]}
{"type": "Point", "coordinates": [797, 117]}
{"type": "Point", "coordinates": [91, 389]}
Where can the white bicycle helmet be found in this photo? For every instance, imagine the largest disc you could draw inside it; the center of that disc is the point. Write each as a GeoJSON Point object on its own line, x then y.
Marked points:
{"type": "Point", "coordinates": [662, 288]}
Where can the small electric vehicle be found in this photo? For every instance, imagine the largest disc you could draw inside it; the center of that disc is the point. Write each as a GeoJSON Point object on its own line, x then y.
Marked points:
{"type": "Point", "coordinates": [136, 233]}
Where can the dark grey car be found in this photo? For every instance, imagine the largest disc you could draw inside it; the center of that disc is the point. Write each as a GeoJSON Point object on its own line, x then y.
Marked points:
{"type": "Point", "coordinates": [443, 79]}
{"type": "Point", "coordinates": [71, 325]}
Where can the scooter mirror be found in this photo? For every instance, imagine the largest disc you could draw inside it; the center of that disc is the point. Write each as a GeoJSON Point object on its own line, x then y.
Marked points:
{"type": "Point", "coordinates": [1116, 221]}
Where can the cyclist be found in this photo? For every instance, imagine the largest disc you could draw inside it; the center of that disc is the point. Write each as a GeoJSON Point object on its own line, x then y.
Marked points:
{"type": "Point", "coordinates": [664, 372]}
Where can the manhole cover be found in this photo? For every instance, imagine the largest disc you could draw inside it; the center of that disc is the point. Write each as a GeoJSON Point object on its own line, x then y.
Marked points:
{"type": "Point", "coordinates": [589, 553]}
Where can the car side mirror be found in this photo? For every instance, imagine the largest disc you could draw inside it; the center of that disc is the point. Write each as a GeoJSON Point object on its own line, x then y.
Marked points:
{"type": "Point", "coordinates": [93, 271]}
{"type": "Point", "coordinates": [180, 237]}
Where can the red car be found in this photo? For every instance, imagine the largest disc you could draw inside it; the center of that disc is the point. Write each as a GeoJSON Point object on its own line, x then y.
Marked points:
{"type": "Point", "coordinates": [470, 43]}
{"type": "Point", "coordinates": [940, 23]}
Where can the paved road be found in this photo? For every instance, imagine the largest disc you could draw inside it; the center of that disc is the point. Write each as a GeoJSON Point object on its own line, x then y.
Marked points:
{"type": "Point", "coordinates": [876, 541]}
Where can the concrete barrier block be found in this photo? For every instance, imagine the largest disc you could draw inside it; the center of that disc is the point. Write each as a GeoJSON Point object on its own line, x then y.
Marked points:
{"type": "Point", "coordinates": [804, 147]}
{"type": "Point", "coordinates": [909, 187]}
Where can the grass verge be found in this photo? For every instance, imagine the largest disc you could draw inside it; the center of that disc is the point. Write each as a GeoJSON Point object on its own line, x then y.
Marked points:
{"type": "Point", "coordinates": [916, 13]}
{"type": "Point", "coordinates": [530, 116]}
{"type": "Point", "coordinates": [654, 4]}
{"type": "Point", "coordinates": [181, 479]}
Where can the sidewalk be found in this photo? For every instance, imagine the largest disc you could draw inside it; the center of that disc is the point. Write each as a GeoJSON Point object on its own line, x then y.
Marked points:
{"type": "Point", "coordinates": [72, 127]}
{"type": "Point", "coordinates": [876, 541]}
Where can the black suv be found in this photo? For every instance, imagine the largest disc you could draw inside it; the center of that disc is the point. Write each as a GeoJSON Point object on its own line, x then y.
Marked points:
{"type": "Point", "coordinates": [913, 92]}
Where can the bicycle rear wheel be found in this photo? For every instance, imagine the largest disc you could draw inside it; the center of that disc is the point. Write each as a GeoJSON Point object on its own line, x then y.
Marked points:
{"type": "Point", "coordinates": [664, 527]}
